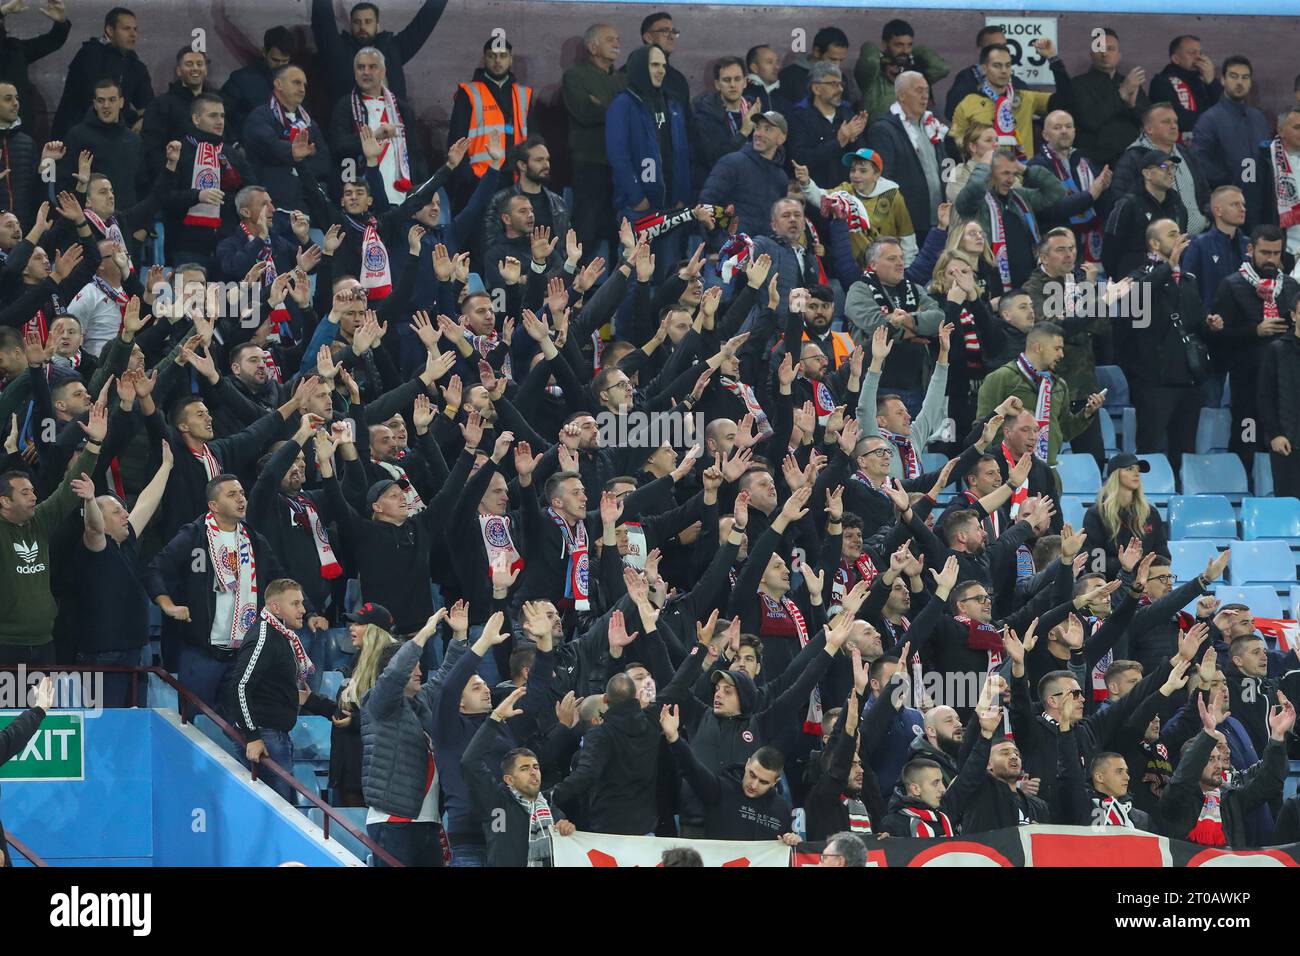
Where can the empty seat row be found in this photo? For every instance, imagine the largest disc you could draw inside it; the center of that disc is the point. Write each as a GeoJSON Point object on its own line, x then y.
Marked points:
{"type": "Point", "coordinates": [1252, 562]}
{"type": "Point", "coordinates": [1212, 517]}
{"type": "Point", "coordinates": [1213, 474]}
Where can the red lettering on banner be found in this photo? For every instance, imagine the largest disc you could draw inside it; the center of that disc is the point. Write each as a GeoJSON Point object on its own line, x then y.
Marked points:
{"type": "Point", "coordinates": [806, 859]}
{"type": "Point", "coordinates": [1208, 857]}
{"type": "Point", "coordinates": [1095, 849]}
{"type": "Point", "coordinates": [601, 859]}
{"type": "Point", "coordinates": [957, 848]}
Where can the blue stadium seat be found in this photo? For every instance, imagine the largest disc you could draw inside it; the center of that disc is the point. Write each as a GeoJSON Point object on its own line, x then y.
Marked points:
{"type": "Point", "coordinates": [1120, 407]}
{"type": "Point", "coordinates": [1158, 483]}
{"type": "Point", "coordinates": [1263, 518]}
{"type": "Point", "coordinates": [1187, 559]}
{"type": "Point", "coordinates": [1292, 782]}
{"type": "Point", "coordinates": [1212, 430]}
{"type": "Point", "coordinates": [1079, 475]}
{"type": "Point", "coordinates": [1262, 562]}
{"type": "Point", "coordinates": [305, 774]}
{"type": "Point", "coordinates": [933, 461]}
{"type": "Point", "coordinates": [357, 815]}
{"type": "Point", "coordinates": [1072, 510]}
{"type": "Point", "coordinates": [1262, 475]}
{"type": "Point", "coordinates": [1214, 475]}
{"type": "Point", "coordinates": [1108, 435]}
{"type": "Point", "coordinates": [1112, 378]}
{"type": "Point", "coordinates": [1294, 606]}
{"type": "Point", "coordinates": [1202, 516]}
{"type": "Point", "coordinates": [1262, 600]}
{"type": "Point", "coordinates": [330, 682]}
{"type": "Point", "coordinates": [311, 738]}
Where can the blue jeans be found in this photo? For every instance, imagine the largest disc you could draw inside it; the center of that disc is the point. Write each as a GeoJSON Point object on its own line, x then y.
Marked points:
{"type": "Point", "coordinates": [279, 747]}
{"type": "Point", "coordinates": [117, 687]}
{"type": "Point", "coordinates": [414, 844]}
{"type": "Point", "coordinates": [468, 854]}
{"type": "Point", "coordinates": [202, 674]}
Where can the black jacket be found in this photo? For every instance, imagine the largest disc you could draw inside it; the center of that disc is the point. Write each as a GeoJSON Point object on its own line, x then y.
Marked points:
{"type": "Point", "coordinates": [1182, 800]}
{"type": "Point", "coordinates": [167, 119]}
{"type": "Point", "coordinates": [95, 61]}
{"type": "Point", "coordinates": [814, 142]}
{"type": "Point", "coordinates": [13, 739]}
{"type": "Point", "coordinates": [1206, 95]}
{"type": "Point", "coordinates": [714, 134]}
{"type": "Point", "coordinates": [119, 155]}
{"type": "Point", "coordinates": [20, 191]}
{"type": "Point", "coordinates": [1107, 124]}
{"type": "Point", "coordinates": [1279, 390]}
{"type": "Point", "coordinates": [291, 183]}
{"type": "Point", "coordinates": [1123, 243]}
{"type": "Point", "coordinates": [175, 572]}
{"type": "Point", "coordinates": [1128, 178]}
{"type": "Point", "coordinates": [17, 55]}
{"type": "Point", "coordinates": [730, 813]}
{"type": "Point", "coordinates": [182, 197]}
{"type": "Point", "coordinates": [617, 768]}
{"type": "Point", "coordinates": [970, 800]}
{"type": "Point", "coordinates": [244, 91]}
{"type": "Point", "coordinates": [1154, 354]}
{"type": "Point", "coordinates": [1237, 348]}
{"type": "Point", "coordinates": [889, 138]}
{"type": "Point", "coordinates": [336, 48]}
{"type": "Point", "coordinates": [261, 689]}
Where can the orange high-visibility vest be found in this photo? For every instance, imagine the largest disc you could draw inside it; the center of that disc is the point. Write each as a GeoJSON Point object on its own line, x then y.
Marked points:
{"type": "Point", "coordinates": [841, 347]}
{"type": "Point", "coordinates": [488, 126]}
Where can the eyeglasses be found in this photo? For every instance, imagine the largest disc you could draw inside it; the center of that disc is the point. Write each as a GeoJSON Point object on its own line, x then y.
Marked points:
{"type": "Point", "coordinates": [667, 31]}
{"type": "Point", "coordinates": [1076, 693]}
{"type": "Point", "coordinates": [834, 84]}
{"type": "Point", "coordinates": [880, 452]}
{"type": "Point", "coordinates": [982, 598]}
{"type": "Point", "coordinates": [1162, 577]}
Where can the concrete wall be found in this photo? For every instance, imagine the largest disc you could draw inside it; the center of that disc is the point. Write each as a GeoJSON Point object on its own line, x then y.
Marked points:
{"type": "Point", "coordinates": [547, 39]}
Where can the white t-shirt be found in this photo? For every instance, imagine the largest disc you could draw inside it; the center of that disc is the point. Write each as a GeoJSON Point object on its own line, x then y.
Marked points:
{"type": "Point", "coordinates": [99, 316]}
{"type": "Point", "coordinates": [223, 620]}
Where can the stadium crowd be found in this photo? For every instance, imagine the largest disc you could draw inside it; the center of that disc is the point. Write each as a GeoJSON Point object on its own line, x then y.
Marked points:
{"type": "Point", "coordinates": [613, 504]}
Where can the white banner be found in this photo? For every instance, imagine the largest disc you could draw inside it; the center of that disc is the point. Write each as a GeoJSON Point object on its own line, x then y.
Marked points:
{"type": "Point", "coordinates": [603, 849]}
{"type": "Point", "coordinates": [1027, 64]}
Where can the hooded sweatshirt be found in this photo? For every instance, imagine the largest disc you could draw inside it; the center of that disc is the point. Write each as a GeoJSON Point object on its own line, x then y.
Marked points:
{"type": "Point", "coordinates": [886, 215]}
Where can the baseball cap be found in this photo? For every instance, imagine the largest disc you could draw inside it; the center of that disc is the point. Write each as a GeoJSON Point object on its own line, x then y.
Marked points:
{"type": "Point", "coordinates": [382, 485]}
{"type": "Point", "coordinates": [368, 613]}
{"type": "Point", "coordinates": [1154, 157]}
{"type": "Point", "coordinates": [868, 154]}
{"type": "Point", "coordinates": [776, 119]}
{"type": "Point", "coordinates": [1125, 460]}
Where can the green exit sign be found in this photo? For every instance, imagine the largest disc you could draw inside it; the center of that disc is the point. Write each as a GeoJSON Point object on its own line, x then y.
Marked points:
{"type": "Point", "coordinates": [57, 751]}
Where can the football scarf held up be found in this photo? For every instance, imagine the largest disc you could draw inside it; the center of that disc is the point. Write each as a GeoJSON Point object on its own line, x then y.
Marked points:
{"type": "Point", "coordinates": [574, 547]}
{"type": "Point", "coordinates": [1042, 381]}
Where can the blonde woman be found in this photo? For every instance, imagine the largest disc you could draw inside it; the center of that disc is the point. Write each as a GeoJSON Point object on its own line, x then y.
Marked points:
{"type": "Point", "coordinates": [1123, 513]}
{"type": "Point", "coordinates": [968, 237]}
{"type": "Point", "coordinates": [977, 338]}
{"type": "Point", "coordinates": [978, 140]}
{"type": "Point", "coordinates": [370, 628]}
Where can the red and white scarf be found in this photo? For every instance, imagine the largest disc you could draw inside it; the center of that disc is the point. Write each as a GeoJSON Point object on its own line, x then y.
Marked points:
{"type": "Point", "coordinates": [858, 818]}
{"type": "Point", "coordinates": [376, 275]}
{"type": "Point", "coordinates": [970, 338]}
{"type": "Point", "coordinates": [305, 666]}
{"type": "Point", "coordinates": [234, 572]}
{"type": "Point", "coordinates": [40, 322]}
{"type": "Point", "coordinates": [823, 400]}
{"type": "Point", "coordinates": [391, 114]}
{"type": "Point", "coordinates": [1004, 116]}
{"type": "Point", "coordinates": [982, 637]}
{"type": "Point", "coordinates": [998, 230]}
{"type": "Point", "coordinates": [296, 126]}
{"type": "Point", "coordinates": [1042, 381]}
{"type": "Point", "coordinates": [1021, 494]}
{"type": "Point", "coordinates": [843, 580]}
{"type": "Point", "coordinates": [114, 295]}
{"type": "Point", "coordinates": [782, 618]}
{"type": "Point", "coordinates": [306, 516]}
{"type": "Point", "coordinates": [1186, 98]}
{"type": "Point", "coordinates": [497, 541]}
{"type": "Point", "coordinates": [264, 254]}
{"type": "Point", "coordinates": [111, 231]}
{"type": "Point", "coordinates": [1209, 823]}
{"type": "Point", "coordinates": [1284, 186]}
{"type": "Point", "coordinates": [203, 455]}
{"type": "Point", "coordinates": [205, 175]}
{"type": "Point", "coordinates": [746, 394]}
{"type": "Point", "coordinates": [906, 453]}
{"type": "Point", "coordinates": [414, 503]}
{"type": "Point", "coordinates": [1087, 224]}
{"type": "Point", "coordinates": [1266, 289]}
{"type": "Point", "coordinates": [928, 823]}
{"type": "Point", "coordinates": [930, 125]}
{"type": "Point", "coordinates": [1111, 812]}
{"type": "Point", "coordinates": [574, 547]}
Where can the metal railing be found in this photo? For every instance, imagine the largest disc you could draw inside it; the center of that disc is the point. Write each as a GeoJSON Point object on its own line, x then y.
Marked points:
{"type": "Point", "coordinates": [186, 699]}
{"type": "Point", "coordinates": [24, 849]}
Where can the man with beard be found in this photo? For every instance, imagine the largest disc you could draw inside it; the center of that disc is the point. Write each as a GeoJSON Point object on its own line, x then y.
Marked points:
{"type": "Point", "coordinates": [827, 127]}
{"type": "Point", "coordinates": [1199, 805]}
{"type": "Point", "coordinates": [208, 583]}
{"type": "Point", "coordinates": [296, 523]}
{"type": "Point", "coordinates": [168, 115]}
{"type": "Point", "coordinates": [1255, 305]}
{"type": "Point", "coordinates": [941, 743]}
{"type": "Point", "coordinates": [530, 165]}
{"type": "Point", "coordinates": [1160, 133]}
{"type": "Point", "coordinates": [741, 805]}
{"type": "Point", "coordinates": [208, 177]}
{"type": "Point", "coordinates": [1084, 207]}
{"type": "Point", "coordinates": [492, 111]}
{"type": "Point", "coordinates": [336, 47]}
{"type": "Point", "coordinates": [879, 67]}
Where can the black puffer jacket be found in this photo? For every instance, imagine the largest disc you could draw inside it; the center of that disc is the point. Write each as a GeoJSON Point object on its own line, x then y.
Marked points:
{"type": "Point", "coordinates": [19, 191]}
{"type": "Point", "coordinates": [396, 731]}
{"type": "Point", "coordinates": [119, 155]}
{"type": "Point", "coordinates": [95, 61]}
{"type": "Point", "coordinates": [1182, 800]}
{"type": "Point", "coordinates": [1279, 390]}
